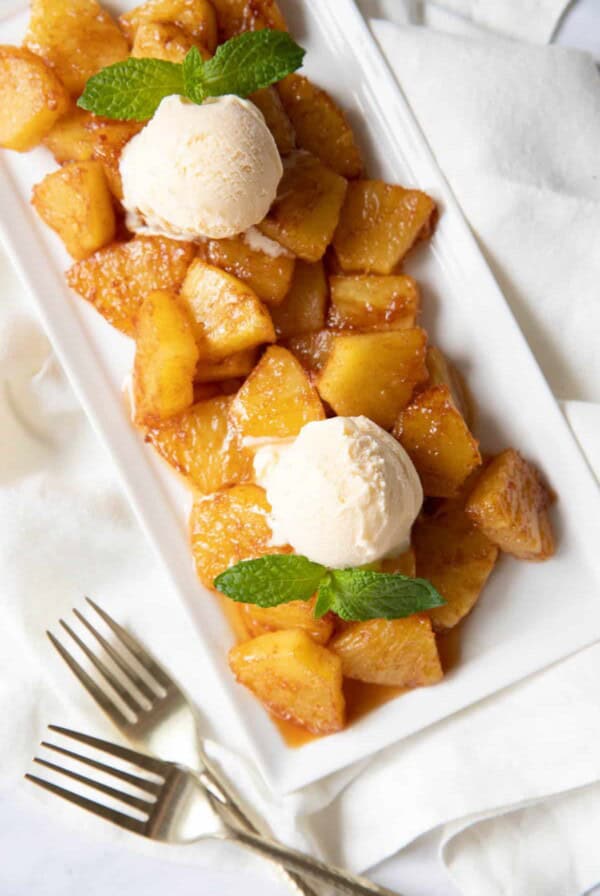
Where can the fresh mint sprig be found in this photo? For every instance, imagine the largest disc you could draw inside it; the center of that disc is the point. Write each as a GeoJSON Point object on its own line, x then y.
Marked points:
{"type": "Point", "coordinates": [353, 594]}
{"type": "Point", "coordinates": [133, 89]}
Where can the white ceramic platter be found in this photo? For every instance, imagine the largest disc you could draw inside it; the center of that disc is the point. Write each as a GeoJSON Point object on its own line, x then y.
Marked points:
{"type": "Point", "coordinates": [531, 615]}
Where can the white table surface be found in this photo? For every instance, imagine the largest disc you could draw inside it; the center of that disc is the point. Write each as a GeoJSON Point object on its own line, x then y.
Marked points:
{"type": "Point", "coordinates": [48, 855]}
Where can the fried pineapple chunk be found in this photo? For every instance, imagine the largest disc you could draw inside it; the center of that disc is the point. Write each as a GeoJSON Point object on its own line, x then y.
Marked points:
{"type": "Point", "coordinates": [405, 564]}
{"type": "Point", "coordinates": [311, 349]}
{"type": "Point", "coordinates": [269, 275]}
{"type": "Point", "coordinates": [456, 557]}
{"type": "Point", "coordinates": [379, 223]}
{"type": "Point", "coordinates": [229, 368]}
{"type": "Point", "coordinates": [296, 614]}
{"type": "Point", "coordinates": [370, 302]}
{"type": "Point", "coordinates": [80, 136]}
{"type": "Point", "coordinates": [434, 434]}
{"type": "Point", "coordinates": [373, 374]}
{"type": "Point", "coordinates": [303, 309]}
{"type": "Point", "coordinates": [165, 359]}
{"type": "Point", "coordinates": [159, 40]}
{"type": "Point", "coordinates": [227, 316]}
{"type": "Point", "coordinates": [76, 203]}
{"type": "Point", "coordinates": [235, 16]}
{"type": "Point", "coordinates": [116, 279]}
{"type": "Point", "coordinates": [510, 505]}
{"type": "Point", "coordinates": [321, 126]}
{"type": "Point", "coordinates": [397, 652]}
{"type": "Point", "coordinates": [277, 399]}
{"type": "Point", "coordinates": [76, 38]}
{"type": "Point", "coordinates": [443, 373]}
{"type": "Point", "coordinates": [306, 212]}
{"type": "Point", "coordinates": [229, 526]}
{"type": "Point", "coordinates": [269, 103]}
{"type": "Point", "coordinates": [294, 678]}
{"type": "Point", "coordinates": [31, 99]}
{"type": "Point", "coordinates": [200, 444]}
{"type": "Point", "coordinates": [196, 18]}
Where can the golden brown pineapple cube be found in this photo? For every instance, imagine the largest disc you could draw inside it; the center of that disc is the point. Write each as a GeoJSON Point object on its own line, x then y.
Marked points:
{"type": "Point", "coordinates": [510, 505]}
{"type": "Point", "coordinates": [311, 349]}
{"type": "Point", "coordinates": [200, 444]}
{"type": "Point", "coordinates": [373, 374]}
{"type": "Point", "coordinates": [434, 433]}
{"type": "Point", "coordinates": [196, 18]}
{"type": "Point", "coordinates": [269, 103]}
{"type": "Point", "coordinates": [76, 38]}
{"type": "Point", "coordinates": [294, 678]}
{"type": "Point", "coordinates": [405, 564]}
{"type": "Point", "coordinates": [229, 526]}
{"type": "Point", "coordinates": [296, 614]}
{"type": "Point", "coordinates": [238, 365]}
{"type": "Point", "coordinates": [31, 99]}
{"type": "Point", "coordinates": [443, 373]}
{"type": "Point", "coordinates": [303, 309]}
{"type": "Point", "coordinates": [165, 359]}
{"type": "Point", "coordinates": [456, 557]}
{"type": "Point", "coordinates": [161, 40]}
{"type": "Point", "coordinates": [379, 223]}
{"type": "Point", "coordinates": [321, 126]}
{"type": "Point", "coordinates": [227, 316]}
{"type": "Point", "coordinates": [277, 399]}
{"type": "Point", "coordinates": [397, 652]}
{"type": "Point", "coordinates": [269, 275]}
{"type": "Point", "coordinates": [235, 16]}
{"type": "Point", "coordinates": [373, 302]}
{"type": "Point", "coordinates": [76, 203]}
{"type": "Point", "coordinates": [306, 212]}
{"type": "Point", "coordinates": [116, 279]}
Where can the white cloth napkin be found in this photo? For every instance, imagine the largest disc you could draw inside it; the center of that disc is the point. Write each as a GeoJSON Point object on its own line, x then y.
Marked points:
{"type": "Point", "coordinates": [516, 131]}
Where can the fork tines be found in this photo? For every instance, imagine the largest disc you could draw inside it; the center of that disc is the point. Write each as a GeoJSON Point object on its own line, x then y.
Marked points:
{"type": "Point", "coordinates": [135, 692]}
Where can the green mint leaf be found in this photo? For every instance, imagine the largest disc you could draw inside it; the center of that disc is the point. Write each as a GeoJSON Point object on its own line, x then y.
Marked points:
{"type": "Point", "coordinates": [131, 89]}
{"type": "Point", "coordinates": [272, 580]}
{"type": "Point", "coordinates": [324, 601]}
{"type": "Point", "coordinates": [244, 64]}
{"type": "Point", "coordinates": [361, 594]}
{"type": "Point", "coordinates": [193, 70]}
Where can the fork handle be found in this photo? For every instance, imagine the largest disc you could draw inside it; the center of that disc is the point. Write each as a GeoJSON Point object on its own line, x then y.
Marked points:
{"type": "Point", "coordinates": [301, 863]}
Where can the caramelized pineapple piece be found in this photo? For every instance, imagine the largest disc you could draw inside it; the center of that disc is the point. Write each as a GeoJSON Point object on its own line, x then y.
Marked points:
{"type": "Point", "coordinates": [405, 564]}
{"type": "Point", "coordinates": [157, 40]}
{"type": "Point", "coordinates": [269, 103]}
{"type": "Point", "coordinates": [196, 18]}
{"type": "Point", "coordinates": [311, 349]}
{"type": "Point", "coordinates": [303, 309]}
{"type": "Point", "coordinates": [227, 316]}
{"type": "Point", "coordinates": [443, 373]}
{"type": "Point", "coordinates": [201, 445]}
{"type": "Point", "coordinates": [238, 365]}
{"type": "Point", "coordinates": [296, 614]}
{"type": "Point", "coordinates": [510, 505]}
{"type": "Point", "coordinates": [116, 279]}
{"type": "Point", "coordinates": [294, 678]}
{"type": "Point", "coordinates": [371, 302]}
{"type": "Point", "coordinates": [269, 275]}
{"type": "Point", "coordinates": [379, 223]}
{"type": "Point", "coordinates": [76, 202]}
{"type": "Point", "coordinates": [235, 16]}
{"type": "Point", "coordinates": [321, 126]}
{"type": "Point", "coordinates": [433, 432]}
{"type": "Point", "coordinates": [76, 38]}
{"type": "Point", "coordinates": [229, 526]}
{"type": "Point", "coordinates": [277, 399]}
{"type": "Point", "coordinates": [456, 557]}
{"type": "Point", "coordinates": [398, 652]}
{"type": "Point", "coordinates": [31, 99]}
{"type": "Point", "coordinates": [165, 359]}
{"type": "Point", "coordinates": [306, 212]}
{"type": "Point", "coordinates": [373, 373]}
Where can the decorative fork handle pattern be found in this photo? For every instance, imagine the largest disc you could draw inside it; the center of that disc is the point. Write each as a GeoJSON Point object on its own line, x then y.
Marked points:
{"type": "Point", "coordinates": [298, 862]}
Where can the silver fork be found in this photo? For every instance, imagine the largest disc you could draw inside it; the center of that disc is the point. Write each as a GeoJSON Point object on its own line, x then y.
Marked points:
{"type": "Point", "coordinates": [178, 805]}
{"type": "Point", "coordinates": [151, 717]}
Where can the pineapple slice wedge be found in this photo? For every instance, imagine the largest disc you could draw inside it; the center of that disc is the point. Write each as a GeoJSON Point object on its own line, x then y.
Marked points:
{"type": "Point", "coordinates": [370, 302]}
{"type": "Point", "coordinates": [303, 309]}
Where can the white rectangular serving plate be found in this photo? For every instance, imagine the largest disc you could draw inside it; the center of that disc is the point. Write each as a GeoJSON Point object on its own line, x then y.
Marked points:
{"type": "Point", "coordinates": [531, 614]}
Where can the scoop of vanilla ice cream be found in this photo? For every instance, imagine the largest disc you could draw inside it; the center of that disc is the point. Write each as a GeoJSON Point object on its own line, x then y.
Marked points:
{"type": "Point", "coordinates": [200, 171]}
{"type": "Point", "coordinates": [343, 493]}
